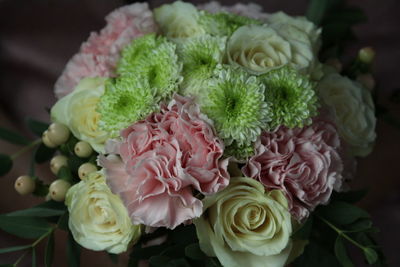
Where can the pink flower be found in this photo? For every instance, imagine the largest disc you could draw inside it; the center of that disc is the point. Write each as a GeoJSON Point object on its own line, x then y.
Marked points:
{"type": "Point", "coordinates": [163, 160]}
{"type": "Point", "coordinates": [303, 162]}
{"type": "Point", "coordinates": [98, 56]}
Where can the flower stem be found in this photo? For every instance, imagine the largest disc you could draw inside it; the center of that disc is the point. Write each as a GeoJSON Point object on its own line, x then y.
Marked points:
{"type": "Point", "coordinates": [25, 149]}
{"type": "Point", "coordinates": [342, 233]}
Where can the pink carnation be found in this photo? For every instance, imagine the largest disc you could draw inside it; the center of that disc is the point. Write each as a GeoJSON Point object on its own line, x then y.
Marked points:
{"type": "Point", "coordinates": [99, 55]}
{"type": "Point", "coordinates": [302, 162]}
{"type": "Point", "coordinates": [163, 160]}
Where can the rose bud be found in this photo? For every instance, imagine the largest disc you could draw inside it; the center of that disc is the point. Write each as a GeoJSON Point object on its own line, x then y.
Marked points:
{"type": "Point", "coordinates": [57, 162]}
{"type": "Point", "coordinates": [24, 185]}
{"type": "Point", "coordinates": [366, 55]}
{"type": "Point", "coordinates": [58, 134]}
{"type": "Point", "coordinates": [83, 149]}
{"type": "Point", "coordinates": [58, 189]}
{"type": "Point", "coordinates": [46, 141]}
{"type": "Point", "coordinates": [85, 169]}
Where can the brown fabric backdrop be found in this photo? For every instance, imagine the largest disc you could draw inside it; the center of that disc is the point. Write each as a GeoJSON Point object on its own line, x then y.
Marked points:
{"type": "Point", "coordinates": [37, 37]}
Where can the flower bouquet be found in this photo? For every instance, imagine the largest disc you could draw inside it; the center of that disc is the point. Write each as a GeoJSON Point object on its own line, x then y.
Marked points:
{"type": "Point", "coordinates": [206, 136]}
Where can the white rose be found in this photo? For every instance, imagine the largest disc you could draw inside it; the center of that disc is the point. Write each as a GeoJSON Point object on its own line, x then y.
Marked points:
{"type": "Point", "coordinates": [353, 109]}
{"type": "Point", "coordinates": [244, 225]}
{"type": "Point", "coordinates": [78, 112]}
{"type": "Point", "coordinates": [260, 49]}
{"type": "Point", "coordinates": [98, 219]}
{"type": "Point", "coordinates": [178, 20]}
{"type": "Point", "coordinates": [301, 33]}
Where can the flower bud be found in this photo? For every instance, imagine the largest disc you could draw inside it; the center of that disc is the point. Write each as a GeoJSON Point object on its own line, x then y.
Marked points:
{"type": "Point", "coordinates": [46, 141]}
{"type": "Point", "coordinates": [57, 162]}
{"type": "Point", "coordinates": [24, 185]}
{"type": "Point", "coordinates": [58, 134]}
{"type": "Point", "coordinates": [83, 149]}
{"type": "Point", "coordinates": [85, 169]}
{"type": "Point", "coordinates": [366, 55]}
{"type": "Point", "coordinates": [58, 189]}
{"type": "Point", "coordinates": [367, 80]}
{"type": "Point", "coordinates": [335, 63]}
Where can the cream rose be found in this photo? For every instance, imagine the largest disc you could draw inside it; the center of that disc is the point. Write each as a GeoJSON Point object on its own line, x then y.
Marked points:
{"type": "Point", "coordinates": [98, 219]}
{"type": "Point", "coordinates": [178, 20]}
{"type": "Point", "coordinates": [78, 112]}
{"type": "Point", "coordinates": [260, 49]}
{"type": "Point", "coordinates": [301, 33]}
{"type": "Point", "coordinates": [353, 110]}
{"type": "Point", "coordinates": [245, 225]}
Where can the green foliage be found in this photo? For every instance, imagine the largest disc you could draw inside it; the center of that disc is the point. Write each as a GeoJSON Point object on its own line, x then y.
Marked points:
{"type": "Point", "coordinates": [23, 226]}
{"type": "Point", "coordinates": [180, 249]}
{"type": "Point", "coordinates": [36, 127]}
{"type": "Point", "coordinates": [73, 252]}
{"type": "Point", "coordinates": [13, 137]}
{"type": "Point", "coordinates": [13, 249]}
{"type": "Point", "coordinates": [43, 153]}
{"type": "Point", "coordinates": [46, 209]}
{"type": "Point", "coordinates": [336, 19]}
{"type": "Point", "coordinates": [334, 227]}
{"type": "Point", "coordinates": [49, 254]}
{"type": "Point", "coordinates": [6, 164]}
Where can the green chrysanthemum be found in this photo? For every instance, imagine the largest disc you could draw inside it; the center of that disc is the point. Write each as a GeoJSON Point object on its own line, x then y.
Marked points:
{"type": "Point", "coordinates": [200, 56]}
{"type": "Point", "coordinates": [292, 97]}
{"type": "Point", "coordinates": [240, 152]}
{"type": "Point", "coordinates": [153, 60]}
{"type": "Point", "coordinates": [124, 101]}
{"type": "Point", "coordinates": [235, 102]}
{"type": "Point", "coordinates": [224, 24]}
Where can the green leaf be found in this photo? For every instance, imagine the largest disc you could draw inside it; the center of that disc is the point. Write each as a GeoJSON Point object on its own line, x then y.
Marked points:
{"type": "Point", "coordinates": [350, 196]}
{"type": "Point", "coordinates": [25, 227]}
{"type": "Point", "coordinates": [349, 15]}
{"type": "Point", "coordinates": [6, 164]}
{"type": "Point", "coordinates": [182, 262]}
{"type": "Point", "coordinates": [147, 252]}
{"type": "Point", "coordinates": [303, 233]}
{"type": "Point", "coordinates": [63, 221]}
{"type": "Point", "coordinates": [34, 262]}
{"type": "Point", "coordinates": [316, 255]}
{"type": "Point", "coordinates": [12, 249]}
{"type": "Point", "coordinates": [341, 253]}
{"type": "Point", "coordinates": [73, 252]}
{"type": "Point", "coordinates": [159, 260]}
{"type": "Point", "coordinates": [43, 153]}
{"type": "Point", "coordinates": [359, 226]}
{"type": "Point", "coordinates": [113, 257]}
{"type": "Point", "coordinates": [45, 209]}
{"type": "Point", "coordinates": [37, 127]}
{"type": "Point", "coordinates": [49, 254]}
{"type": "Point", "coordinates": [342, 213]}
{"type": "Point", "coordinates": [370, 255]}
{"type": "Point", "coordinates": [194, 252]}
{"type": "Point", "coordinates": [316, 10]}
{"type": "Point", "coordinates": [41, 189]}
{"type": "Point", "coordinates": [13, 137]}
{"type": "Point", "coordinates": [65, 174]}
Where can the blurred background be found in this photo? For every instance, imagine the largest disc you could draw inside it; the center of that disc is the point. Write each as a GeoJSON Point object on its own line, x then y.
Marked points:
{"type": "Point", "coordinates": [38, 37]}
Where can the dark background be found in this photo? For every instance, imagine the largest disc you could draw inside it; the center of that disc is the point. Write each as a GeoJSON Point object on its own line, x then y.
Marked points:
{"type": "Point", "coordinates": [37, 38]}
